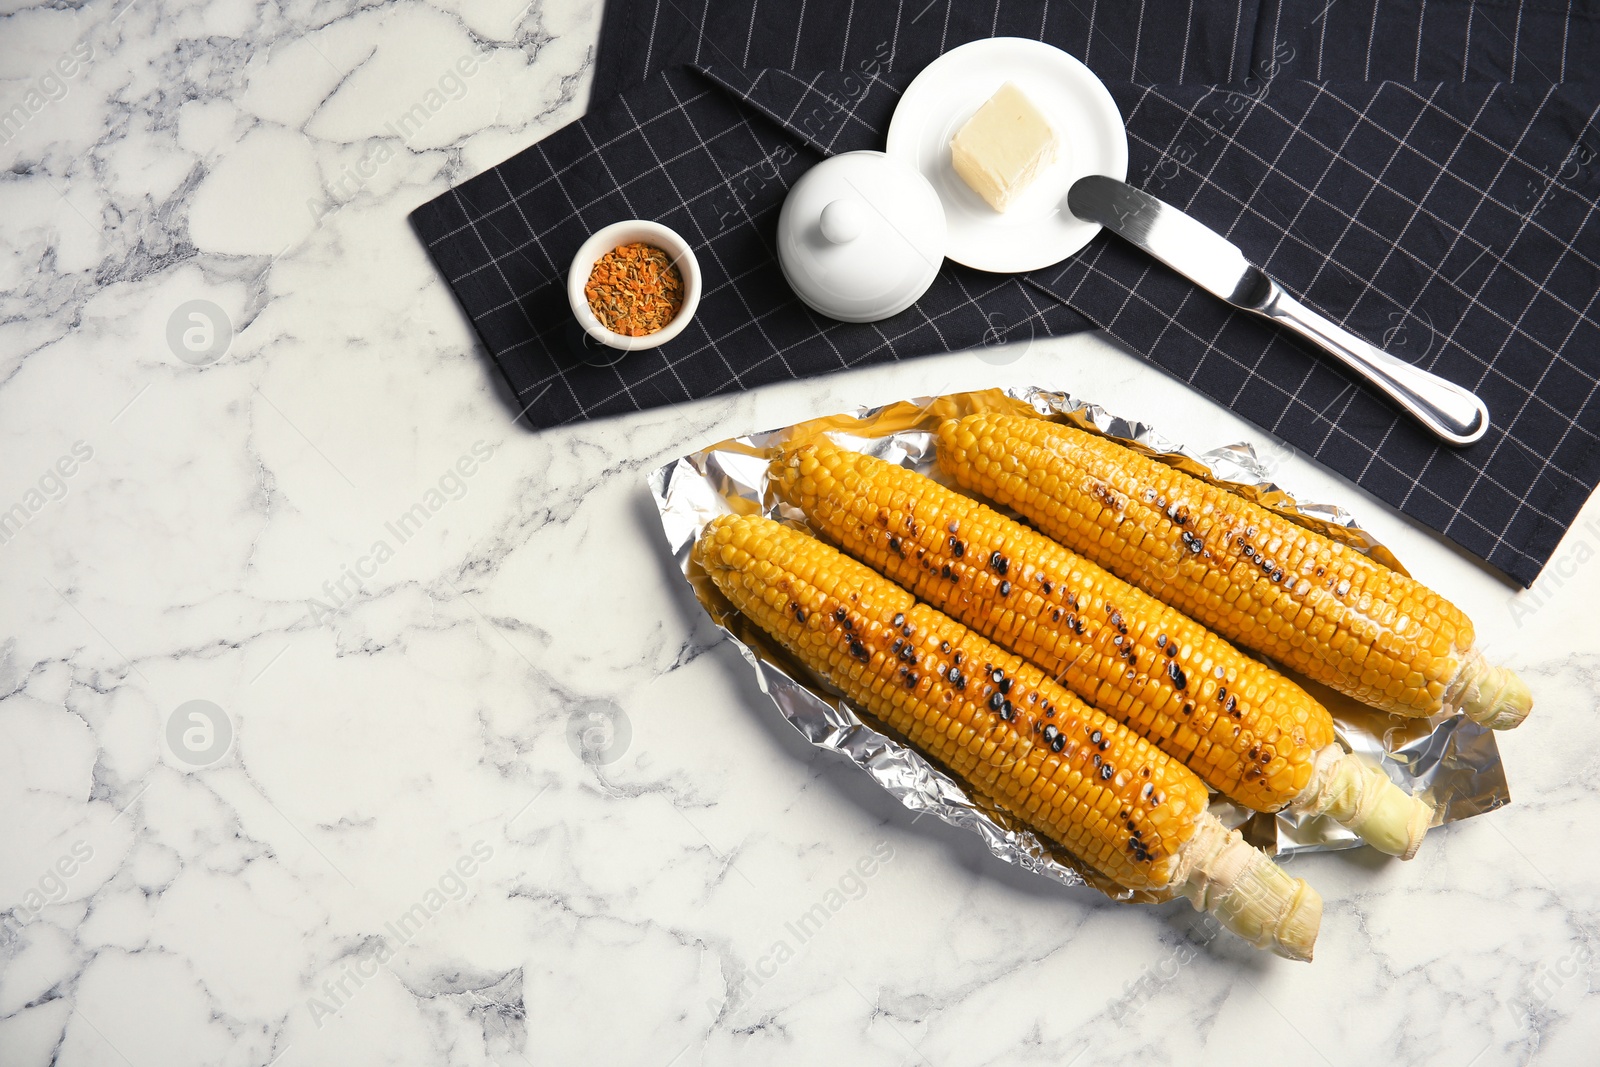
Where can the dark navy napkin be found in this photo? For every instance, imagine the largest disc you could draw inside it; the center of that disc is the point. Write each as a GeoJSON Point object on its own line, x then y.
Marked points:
{"type": "Point", "coordinates": [1430, 182]}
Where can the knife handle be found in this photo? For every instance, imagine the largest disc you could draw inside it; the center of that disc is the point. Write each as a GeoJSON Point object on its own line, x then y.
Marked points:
{"type": "Point", "coordinates": [1453, 413]}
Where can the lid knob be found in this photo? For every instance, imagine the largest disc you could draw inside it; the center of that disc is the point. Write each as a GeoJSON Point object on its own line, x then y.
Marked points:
{"type": "Point", "coordinates": [843, 220]}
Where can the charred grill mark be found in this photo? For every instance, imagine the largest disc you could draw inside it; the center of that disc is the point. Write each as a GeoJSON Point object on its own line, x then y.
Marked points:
{"type": "Point", "coordinates": [1107, 496]}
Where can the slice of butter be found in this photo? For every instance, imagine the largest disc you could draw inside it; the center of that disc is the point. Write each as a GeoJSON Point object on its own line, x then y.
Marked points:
{"type": "Point", "coordinates": [1003, 147]}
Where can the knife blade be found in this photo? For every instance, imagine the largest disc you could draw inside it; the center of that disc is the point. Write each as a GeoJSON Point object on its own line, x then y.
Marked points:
{"type": "Point", "coordinates": [1221, 268]}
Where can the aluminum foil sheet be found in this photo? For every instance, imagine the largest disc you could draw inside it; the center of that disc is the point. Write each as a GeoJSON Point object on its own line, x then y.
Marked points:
{"type": "Point", "coordinates": [1448, 759]}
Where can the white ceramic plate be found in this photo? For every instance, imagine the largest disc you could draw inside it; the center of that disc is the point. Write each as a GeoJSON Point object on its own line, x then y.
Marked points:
{"type": "Point", "coordinates": [1037, 230]}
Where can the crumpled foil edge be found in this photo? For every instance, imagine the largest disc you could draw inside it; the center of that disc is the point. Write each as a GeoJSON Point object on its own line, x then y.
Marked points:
{"type": "Point", "coordinates": [1452, 761]}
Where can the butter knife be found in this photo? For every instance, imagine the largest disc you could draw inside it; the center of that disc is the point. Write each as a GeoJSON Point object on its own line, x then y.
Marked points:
{"type": "Point", "coordinates": [1217, 265]}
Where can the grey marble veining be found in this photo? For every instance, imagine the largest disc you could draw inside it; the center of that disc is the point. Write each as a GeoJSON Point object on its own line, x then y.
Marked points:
{"type": "Point", "coordinates": [305, 638]}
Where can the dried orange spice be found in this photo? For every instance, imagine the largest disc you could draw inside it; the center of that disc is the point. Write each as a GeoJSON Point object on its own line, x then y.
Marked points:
{"type": "Point", "coordinates": [634, 289]}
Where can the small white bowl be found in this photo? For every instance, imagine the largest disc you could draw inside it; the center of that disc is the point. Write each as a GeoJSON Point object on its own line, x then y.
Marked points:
{"type": "Point", "coordinates": [613, 236]}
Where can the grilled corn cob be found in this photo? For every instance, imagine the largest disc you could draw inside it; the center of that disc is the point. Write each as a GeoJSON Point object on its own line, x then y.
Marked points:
{"type": "Point", "coordinates": [1246, 730]}
{"type": "Point", "coordinates": [1318, 606]}
{"type": "Point", "coordinates": [1106, 795]}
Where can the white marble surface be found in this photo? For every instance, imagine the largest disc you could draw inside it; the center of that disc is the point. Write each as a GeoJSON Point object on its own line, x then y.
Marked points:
{"type": "Point", "coordinates": [408, 752]}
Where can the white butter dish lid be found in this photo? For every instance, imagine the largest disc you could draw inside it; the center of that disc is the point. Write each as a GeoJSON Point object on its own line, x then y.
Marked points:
{"type": "Point", "coordinates": [861, 236]}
